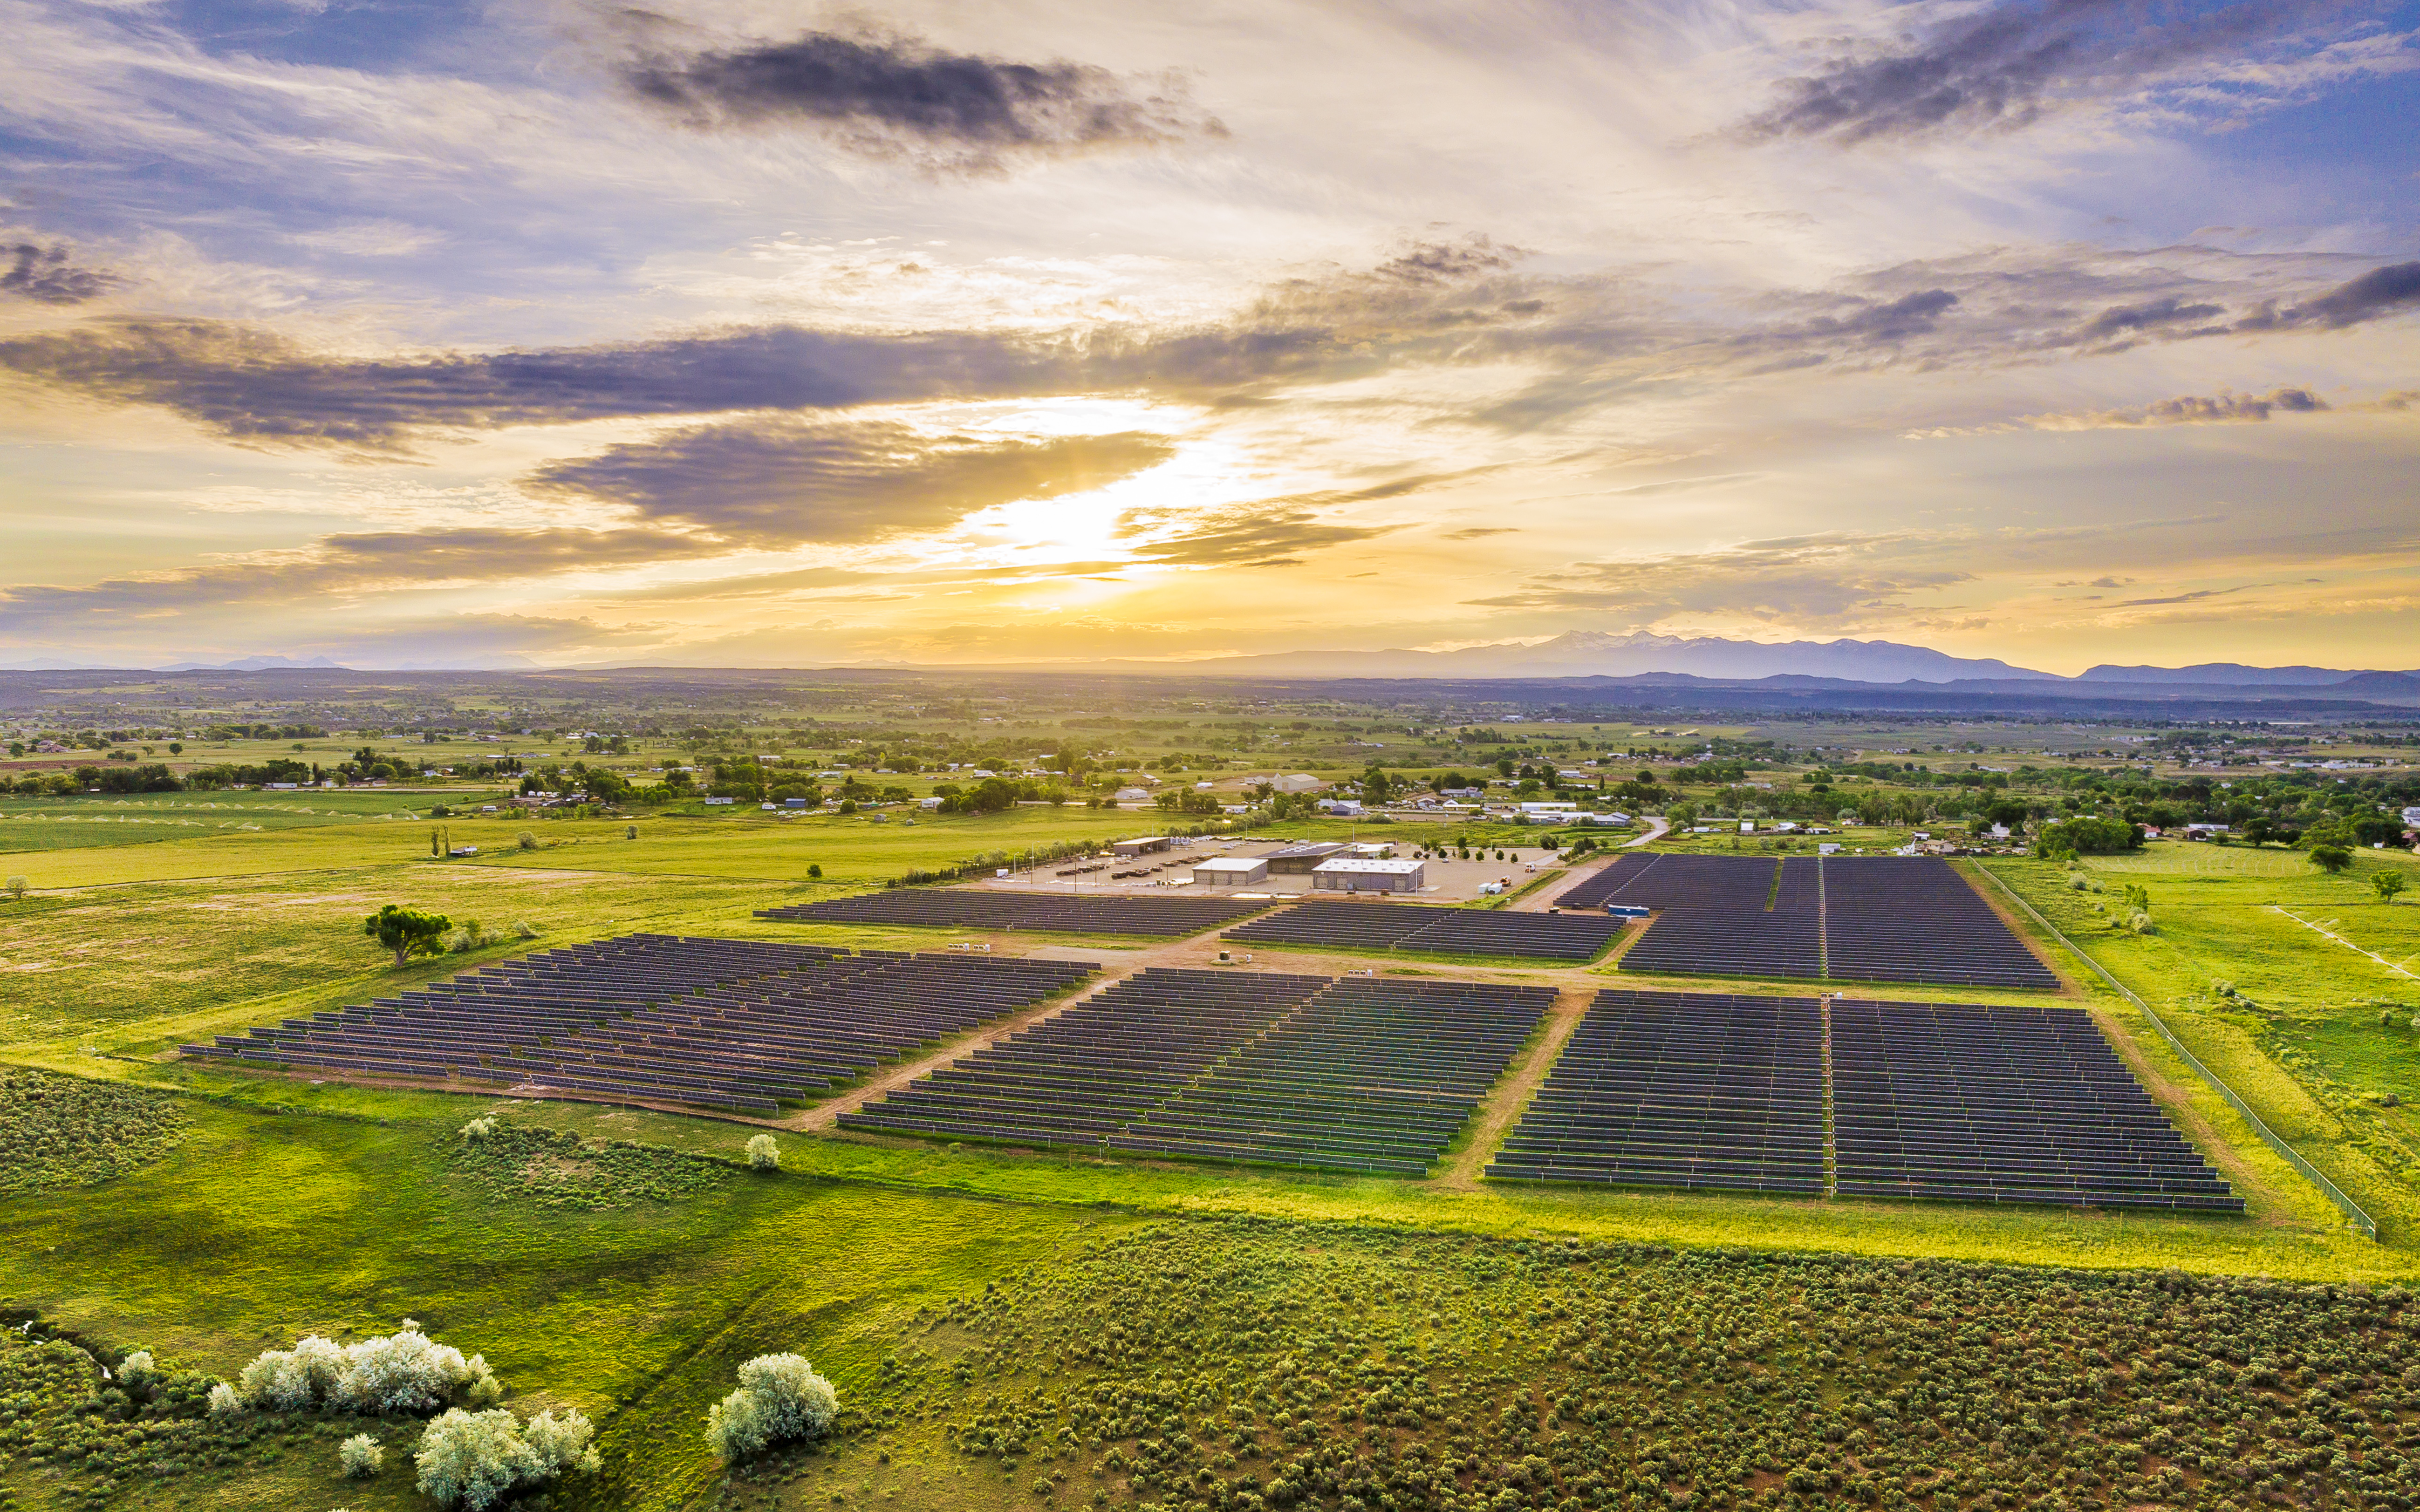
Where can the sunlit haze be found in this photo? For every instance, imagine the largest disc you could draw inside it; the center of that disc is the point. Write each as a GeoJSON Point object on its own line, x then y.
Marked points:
{"type": "Point", "coordinates": [427, 335]}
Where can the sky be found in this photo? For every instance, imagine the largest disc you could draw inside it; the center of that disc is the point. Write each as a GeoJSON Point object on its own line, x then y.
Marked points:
{"type": "Point", "coordinates": [418, 332]}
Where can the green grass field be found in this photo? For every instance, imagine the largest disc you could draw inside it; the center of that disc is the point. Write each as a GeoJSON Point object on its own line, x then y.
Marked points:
{"type": "Point", "coordinates": [285, 1206]}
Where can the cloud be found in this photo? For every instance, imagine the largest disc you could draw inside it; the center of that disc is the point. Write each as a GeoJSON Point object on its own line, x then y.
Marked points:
{"type": "Point", "coordinates": [2194, 597]}
{"type": "Point", "coordinates": [1798, 579]}
{"type": "Point", "coordinates": [2189, 409]}
{"type": "Point", "coordinates": [780, 482]}
{"type": "Point", "coordinates": [1475, 531]}
{"type": "Point", "coordinates": [895, 95]}
{"type": "Point", "coordinates": [257, 387]}
{"type": "Point", "coordinates": [340, 566]}
{"type": "Point", "coordinates": [2382, 291]}
{"type": "Point", "coordinates": [1264, 538]}
{"type": "Point", "coordinates": [2007, 66]}
{"type": "Point", "coordinates": [47, 275]}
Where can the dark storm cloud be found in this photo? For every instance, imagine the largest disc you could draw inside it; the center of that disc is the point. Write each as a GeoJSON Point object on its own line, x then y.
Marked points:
{"type": "Point", "coordinates": [885, 93]}
{"type": "Point", "coordinates": [782, 483]}
{"type": "Point", "coordinates": [50, 276]}
{"type": "Point", "coordinates": [2009, 65]}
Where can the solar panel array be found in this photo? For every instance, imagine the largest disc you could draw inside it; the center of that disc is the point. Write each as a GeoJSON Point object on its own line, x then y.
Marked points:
{"type": "Point", "coordinates": [1943, 1100]}
{"type": "Point", "coordinates": [1847, 918]}
{"type": "Point", "coordinates": [1678, 1090]}
{"type": "Point", "coordinates": [976, 908]}
{"type": "Point", "coordinates": [1376, 926]}
{"type": "Point", "coordinates": [1598, 887]}
{"type": "Point", "coordinates": [1369, 1075]}
{"type": "Point", "coordinates": [1713, 917]}
{"type": "Point", "coordinates": [1266, 1069]}
{"type": "Point", "coordinates": [1914, 918]}
{"type": "Point", "coordinates": [738, 1024]}
{"type": "Point", "coordinates": [1082, 1075]}
{"type": "Point", "coordinates": [2002, 1104]}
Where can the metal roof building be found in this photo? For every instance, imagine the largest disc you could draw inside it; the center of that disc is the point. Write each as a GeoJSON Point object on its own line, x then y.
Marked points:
{"type": "Point", "coordinates": [1351, 875]}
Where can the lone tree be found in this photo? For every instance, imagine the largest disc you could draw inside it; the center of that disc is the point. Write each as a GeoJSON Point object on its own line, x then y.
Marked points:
{"type": "Point", "coordinates": [407, 932]}
{"type": "Point", "coordinates": [2386, 884]}
{"type": "Point", "coordinates": [2331, 858]}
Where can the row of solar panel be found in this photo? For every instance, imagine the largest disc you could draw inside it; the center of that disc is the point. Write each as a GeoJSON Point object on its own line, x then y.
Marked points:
{"type": "Point", "coordinates": [1357, 1074]}
{"type": "Point", "coordinates": [1928, 1100]}
{"type": "Point", "coordinates": [1387, 926]}
{"type": "Point", "coordinates": [741, 1026]}
{"type": "Point", "coordinates": [1848, 918]}
{"type": "Point", "coordinates": [976, 908]}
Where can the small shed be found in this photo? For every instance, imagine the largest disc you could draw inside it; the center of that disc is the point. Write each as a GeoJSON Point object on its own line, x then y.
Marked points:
{"type": "Point", "coordinates": [1345, 874]}
{"type": "Point", "coordinates": [1131, 848]}
{"type": "Point", "coordinates": [1231, 871]}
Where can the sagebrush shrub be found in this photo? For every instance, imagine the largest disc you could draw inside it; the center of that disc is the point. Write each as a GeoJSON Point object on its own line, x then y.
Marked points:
{"type": "Point", "coordinates": [362, 1457]}
{"type": "Point", "coordinates": [763, 1155]}
{"type": "Point", "coordinates": [779, 1397]}
{"type": "Point", "coordinates": [405, 1371]}
{"type": "Point", "coordinates": [476, 1460]}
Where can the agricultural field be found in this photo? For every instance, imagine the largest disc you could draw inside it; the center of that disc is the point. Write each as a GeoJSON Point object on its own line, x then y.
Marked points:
{"type": "Point", "coordinates": [1019, 1328]}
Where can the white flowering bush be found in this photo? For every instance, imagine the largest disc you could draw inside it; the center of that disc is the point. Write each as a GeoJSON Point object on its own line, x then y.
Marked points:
{"type": "Point", "coordinates": [362, 1457]}
{"type": "Point", "coordinates": [476, 1460]}
{"type": "Point", "coordinates": [779, 1397]}
{"type": "Point", "coordinates": [137, 1373]}
{"type": "Point", "coordinates": [763, 1155]}
{"type": "Point", "coordinates": [223, 1402]}
{"type": "Point", "coordinates": [562, 1441]}
{"type": "Point", "coordinates": [405, 1371]}
{"type": "Point", "coordinates": [289, 1380]}
{"type": "Point", "coordinates": [479, 1129]}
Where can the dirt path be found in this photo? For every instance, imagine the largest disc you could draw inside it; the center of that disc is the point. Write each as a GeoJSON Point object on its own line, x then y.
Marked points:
{"type": "Point", "coordinates": [1512, 1094]}
{"type": "Point", "coordinates": [1661, 825]}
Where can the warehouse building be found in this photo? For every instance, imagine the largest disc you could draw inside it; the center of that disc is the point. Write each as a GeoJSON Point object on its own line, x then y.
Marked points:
{"type": "Point", "coordinates": [1346, 875]}
{"type": "Point", "coordinates": [1231, 871]}
{"type": "Point", "coordinates": [1301, 859]}
{"type": "Point", "coordinates": [1129, 849]}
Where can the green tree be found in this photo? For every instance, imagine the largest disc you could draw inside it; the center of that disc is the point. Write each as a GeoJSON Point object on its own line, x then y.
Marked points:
{"type": "Point", "coordinates": [407, 932]}
{"type": "Point", "coordinates": [2387, 884]}
{"type": "Point", "coordinates": [2331, 858]}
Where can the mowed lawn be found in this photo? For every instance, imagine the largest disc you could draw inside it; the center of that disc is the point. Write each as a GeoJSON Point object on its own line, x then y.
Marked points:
{"type": "Point", "coordinates": [95, 960]}
{"type": "Point", "coordinates": [851, 849]}
{"type": "Point", "coordinates": [2304, 1041]}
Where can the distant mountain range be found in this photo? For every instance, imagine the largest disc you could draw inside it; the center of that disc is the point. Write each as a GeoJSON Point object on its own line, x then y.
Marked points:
{"type": "Point", "coordinates": [1812, 664]}
{"type": "Point", "coordinates": [1638, 660]}
{"type": "Point", "coordinates": [1600, 654]}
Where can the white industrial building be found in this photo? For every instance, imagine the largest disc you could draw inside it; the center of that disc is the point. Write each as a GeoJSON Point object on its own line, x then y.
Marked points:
{"type": "Point", "coordinates": [1352, 874]}
{"type": "Point", "coordinates": [1298, 782]}
{"type": "Point", "coordinates": [1231, 871]}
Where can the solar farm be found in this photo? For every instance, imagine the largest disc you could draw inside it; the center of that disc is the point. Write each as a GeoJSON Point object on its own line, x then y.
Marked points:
{"type": "Point", "coordinates": [739, 1026]}
{"type": "Point", "coordinates": [1068, 914]}
{"type": "Point", "coordinates": [1791, 1096]}
{"type": "Point", "coordinates": [1843, 919]}
{"type": "Point", "coordinates": [1695, 1091]}
{"type": "Point", "coordinates": [1266, 1069]}
{"type": "Point", "coordinates": [1952, 1102]}
{"type": "Point", "coordinates": [1375, 926]}
{"type": "Point", "coordinates": [1949, 1102]}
